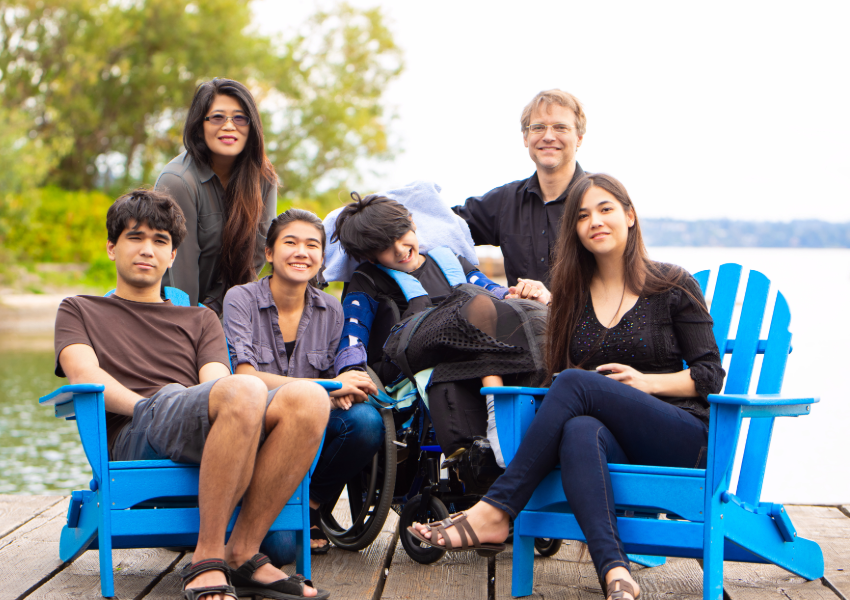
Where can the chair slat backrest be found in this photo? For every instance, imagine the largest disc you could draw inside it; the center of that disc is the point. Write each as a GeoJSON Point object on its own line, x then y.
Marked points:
{"type": "Point", "coordinates": [747, 335]}
{"type": "Point", "coordinates": [723, 301]}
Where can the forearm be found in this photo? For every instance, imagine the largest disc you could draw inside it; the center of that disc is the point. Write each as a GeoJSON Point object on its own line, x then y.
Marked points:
{"type": "Point", "coordinates": [671, 384]}
{"type": "Point", "coordinates": [117, 398]}
{"type": "Point", "coordinates": [271, 380]}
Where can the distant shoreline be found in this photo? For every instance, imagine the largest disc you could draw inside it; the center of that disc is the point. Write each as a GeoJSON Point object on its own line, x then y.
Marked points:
{"type": "Point", "coordinates": [726, 233]}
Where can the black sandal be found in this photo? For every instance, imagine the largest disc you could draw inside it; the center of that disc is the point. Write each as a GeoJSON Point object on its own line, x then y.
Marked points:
{"type": "Point", "coordinates": [202, 566]}
{"type": "Point", "coordinates": [625, 588]}
{"type": "Point", "coordinates": [282, 589]}
{"type": "Point", "coordinates": [316, 533]}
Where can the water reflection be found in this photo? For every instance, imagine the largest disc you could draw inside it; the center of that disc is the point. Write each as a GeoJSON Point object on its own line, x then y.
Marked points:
{"type": "Point", "coordinates": [39, 454]}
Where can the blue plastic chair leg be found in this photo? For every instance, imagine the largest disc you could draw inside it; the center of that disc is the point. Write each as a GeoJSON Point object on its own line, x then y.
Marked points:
{"type": "Point", "coordinates": [522, 580]}
{"type": "Point", "coordinates": [107, 580]}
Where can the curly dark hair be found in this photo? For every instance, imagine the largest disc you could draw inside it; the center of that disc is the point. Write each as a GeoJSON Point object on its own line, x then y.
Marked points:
{"type": "Point", "coordinates": [154, 208]}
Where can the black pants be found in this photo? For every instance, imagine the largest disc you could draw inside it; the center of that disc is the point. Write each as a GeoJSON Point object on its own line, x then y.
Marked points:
{"type": "Point", "coordinates": [458, 412]}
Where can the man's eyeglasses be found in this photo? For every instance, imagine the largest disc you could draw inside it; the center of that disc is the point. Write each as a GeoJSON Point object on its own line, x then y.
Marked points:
{"type": "Point", "coordinates": [238, 120]}
{"type": "Point", "coordinates": [557, 128]}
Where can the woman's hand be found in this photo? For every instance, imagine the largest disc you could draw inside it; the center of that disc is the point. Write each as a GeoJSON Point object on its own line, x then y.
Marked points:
{"type": "Point", "coordinates": [626, 374]}
{"type": "Point", "coordinates": [528, 289]}
{"type": "Point", "coordinates": [343, 402]}
{"type": "Point", "coordinates": [357, 384]}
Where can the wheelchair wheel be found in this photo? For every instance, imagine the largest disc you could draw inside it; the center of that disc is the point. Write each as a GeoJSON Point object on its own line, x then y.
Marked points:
{"type": "Point", "coordinates": [436, 511]}
{"type": "Point", "coordinates": [547, 546]}
{"type": "Point", "coordinates": [370, 495]}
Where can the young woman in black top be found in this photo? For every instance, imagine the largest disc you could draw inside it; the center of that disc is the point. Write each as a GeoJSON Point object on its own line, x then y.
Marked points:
{"type": "Point", "coordinates": [620, 326]}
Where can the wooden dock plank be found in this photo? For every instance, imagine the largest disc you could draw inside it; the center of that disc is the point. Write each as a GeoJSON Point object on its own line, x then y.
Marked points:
{"type": "Point", "coordinates": [30, 553]}
{"type": "Point", "coordinates": [456, 575]}
{"type": "Point", "coordinates": [568, 575]}
{"type": "Point", "coordinates": [134, 571]}
{"type": "Point", "coordinates": [17, 510]}
{"type": "Point", "coordinates": [829, 527]}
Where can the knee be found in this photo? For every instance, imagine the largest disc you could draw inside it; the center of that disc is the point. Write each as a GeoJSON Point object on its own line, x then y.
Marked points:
{"type": "Point", "coordinates": [365, 427]}
{"type": "Point", "coordinates": [240, 398]}
{"type": "Point", "coordinates": [306, 402]}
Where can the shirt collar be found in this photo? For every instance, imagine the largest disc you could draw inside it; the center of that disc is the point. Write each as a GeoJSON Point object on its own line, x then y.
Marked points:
{"type": "Point", "coordinates": [205, 172]}
{"type": "Point", "coordinates": [265, 299]}
{"type": "Point", "coordinates": [533, 184]}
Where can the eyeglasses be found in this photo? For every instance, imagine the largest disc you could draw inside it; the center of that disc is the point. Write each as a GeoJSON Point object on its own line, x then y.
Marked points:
{"type": "Point", "coordinates": [238, 120]}
{"type": "Point", "coordinates": [557, 128]}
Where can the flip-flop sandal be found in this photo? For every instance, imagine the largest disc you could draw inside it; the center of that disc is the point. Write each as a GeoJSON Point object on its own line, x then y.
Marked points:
{"type": "Point", "coordinates": [202, 566]}
{"type": "Point", "coordinates": [620, 594]}
{"type": "Point", "coordinates": [316, 533]}
{"type": "Point", "coordinates": [291, 588]}
{"type": "Point", "coordinates": [459, 521]}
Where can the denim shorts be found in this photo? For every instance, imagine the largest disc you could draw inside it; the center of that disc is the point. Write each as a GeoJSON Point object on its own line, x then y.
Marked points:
{"type": "Point", "coordinates": [173, 423]}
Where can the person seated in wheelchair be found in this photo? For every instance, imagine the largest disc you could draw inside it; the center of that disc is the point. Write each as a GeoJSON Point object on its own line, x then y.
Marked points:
{"type": "Point", "coordinates": [281, 329]}
{"type": "Point", "coordinates": [619, 330]}
{"type": "Point", "coordinates": [169, 394]}
{"type": "Point", "coordinates": [407, 311]}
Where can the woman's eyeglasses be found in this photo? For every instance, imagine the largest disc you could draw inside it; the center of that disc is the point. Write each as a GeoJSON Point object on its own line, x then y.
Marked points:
{"type": "Point", "coordinates": [238, 120]}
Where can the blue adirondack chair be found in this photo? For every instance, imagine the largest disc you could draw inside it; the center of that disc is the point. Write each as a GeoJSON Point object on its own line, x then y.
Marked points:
{"type": "Point", "coordinates": [707, 519]}
{"type": "Point", "coordinates": [146, 503]}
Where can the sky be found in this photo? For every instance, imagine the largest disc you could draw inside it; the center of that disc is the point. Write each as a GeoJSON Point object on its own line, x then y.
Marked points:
{"type": "Point", "coordinates": [733, 110]}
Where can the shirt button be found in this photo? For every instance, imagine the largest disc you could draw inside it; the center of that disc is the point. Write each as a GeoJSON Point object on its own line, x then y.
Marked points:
{"type": "Point", "coordinates": [543, 232]}
{"type": "Point", "coordinates": [542, 260]}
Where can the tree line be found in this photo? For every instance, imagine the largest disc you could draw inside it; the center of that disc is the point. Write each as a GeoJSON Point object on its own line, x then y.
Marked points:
{"type": "Point", "coordinates": [725, 232]}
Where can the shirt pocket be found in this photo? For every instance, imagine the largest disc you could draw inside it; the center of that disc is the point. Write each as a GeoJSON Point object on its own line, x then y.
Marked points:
{"type": "Point", "coordinates": [210, 227]}
{"type": "Point", "coordinates": [266, 361]}
{"type": "Point", "coordinates": [321, 360]}
{"type": "Point", "coordinates": [517, 250]}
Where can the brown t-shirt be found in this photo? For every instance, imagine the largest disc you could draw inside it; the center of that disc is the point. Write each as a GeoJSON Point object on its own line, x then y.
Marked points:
{"type": "Point", "coordinates": [144, 346]}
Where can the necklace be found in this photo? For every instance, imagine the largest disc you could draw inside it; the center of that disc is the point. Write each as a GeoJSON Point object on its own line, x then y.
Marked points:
{"type": "Point", "coordinates": [619, 306]}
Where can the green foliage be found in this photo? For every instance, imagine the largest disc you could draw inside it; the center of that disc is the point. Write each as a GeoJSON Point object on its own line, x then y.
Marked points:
{"type": "Point", "coordinates": [26, 160]}
{"type": "Point", "coordinates": [54, 225]}
{"type": "Point", "coordinates": [105, 86]}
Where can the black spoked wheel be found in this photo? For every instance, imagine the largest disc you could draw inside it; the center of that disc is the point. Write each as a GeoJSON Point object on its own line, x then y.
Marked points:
{"type": "Point", "coordinates": [436, 511]}
{"type": "Point", "coordinates": [370, 495]}
{"type": "Point", "coordinates": [547, 546]}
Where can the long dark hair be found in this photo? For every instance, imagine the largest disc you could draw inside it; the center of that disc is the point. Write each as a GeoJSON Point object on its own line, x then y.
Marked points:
{"type": "Point", "coordinates": [243, 198]}
{"type": "Point", "coordinates": [575, 265]}
{"type": "Point", "coordinates": [290, 216]}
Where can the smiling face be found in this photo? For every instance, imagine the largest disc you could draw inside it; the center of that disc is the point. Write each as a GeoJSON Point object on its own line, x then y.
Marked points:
{"type": "Point", "coordinates": [552, 151]}
{"type": "Point", "coordinates": [226, 139]}
{"type": "Point", "coordinates": [403, 255]}
{"type": "Point", "coordinates": [141, 255]}
{"type": "Point", "coordinates": [603, 223]}
{"type": "Point", "coordinates": [297, 254]}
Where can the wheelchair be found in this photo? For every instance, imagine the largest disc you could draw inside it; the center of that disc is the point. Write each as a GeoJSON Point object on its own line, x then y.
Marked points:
{"type": "Point", "coordinates": [405, 476]}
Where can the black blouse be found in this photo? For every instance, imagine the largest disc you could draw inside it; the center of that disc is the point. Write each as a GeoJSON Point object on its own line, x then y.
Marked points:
{"type": "Point", "coordinates": [656, 336]}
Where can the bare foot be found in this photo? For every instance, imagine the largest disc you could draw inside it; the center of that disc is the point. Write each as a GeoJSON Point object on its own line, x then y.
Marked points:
{"type": "Point", "coordinates": [317, 543]}
{"type": "Point", "coordinates": [621, 573]}
{"type": "Point", "coordinates": [269, 574]}
{"type": "Point", "coordinates": [489, 523]}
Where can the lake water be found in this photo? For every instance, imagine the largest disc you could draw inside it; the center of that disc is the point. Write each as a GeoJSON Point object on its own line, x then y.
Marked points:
{"type": "Point", "coordinates": [809, 455]}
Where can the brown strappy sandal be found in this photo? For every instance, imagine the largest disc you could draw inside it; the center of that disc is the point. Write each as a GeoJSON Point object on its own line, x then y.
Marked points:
{"type": "Point", "coordinates": [620, 594]}
{"type": "Point", "coordinates": [458, 520]}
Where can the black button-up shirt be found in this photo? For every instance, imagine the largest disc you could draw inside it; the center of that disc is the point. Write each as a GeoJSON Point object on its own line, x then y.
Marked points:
{"type": "Point", "coordinates": [515, 218]}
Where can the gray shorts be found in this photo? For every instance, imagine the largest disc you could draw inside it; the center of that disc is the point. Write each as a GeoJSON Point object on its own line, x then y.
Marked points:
{"type": "Point", "coordinates": [173, 423]}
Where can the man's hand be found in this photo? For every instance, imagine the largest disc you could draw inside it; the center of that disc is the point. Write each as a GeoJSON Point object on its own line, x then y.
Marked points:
{"type": "Point", "coordinates": [529, 289]}
{"type": "Point", "coordinates": [357, 384]}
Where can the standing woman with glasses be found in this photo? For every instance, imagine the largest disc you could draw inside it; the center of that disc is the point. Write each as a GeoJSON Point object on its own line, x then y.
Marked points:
{"type": "Point", "coordinates": [227, 188]}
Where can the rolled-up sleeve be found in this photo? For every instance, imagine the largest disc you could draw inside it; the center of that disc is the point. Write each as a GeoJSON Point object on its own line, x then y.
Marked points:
{"type": "Point", "coordinates": [693, 328]}
{"type": "Point", "coordinates": [184, 273]}
{"type": "Point", "coordinates": [239, 316]}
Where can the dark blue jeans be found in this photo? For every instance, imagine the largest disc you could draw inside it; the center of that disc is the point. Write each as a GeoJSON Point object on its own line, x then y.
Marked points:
{"type": "Point", "coordinates": [351, 439]}
{"type": "Point", "coordinates": [586, 421]}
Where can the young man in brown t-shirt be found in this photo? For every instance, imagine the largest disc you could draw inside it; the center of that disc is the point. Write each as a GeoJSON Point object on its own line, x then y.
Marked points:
{"type": "Point", "coordinates": [169, 394]}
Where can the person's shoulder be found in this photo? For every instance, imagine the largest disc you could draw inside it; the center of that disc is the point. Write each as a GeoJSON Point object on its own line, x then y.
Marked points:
{"type": "Point", "coordinates": [507, 189]}
{"type": "Point", "coordinates": [244, 291]}
{"type": "Point", "coordinates": [181, 167]}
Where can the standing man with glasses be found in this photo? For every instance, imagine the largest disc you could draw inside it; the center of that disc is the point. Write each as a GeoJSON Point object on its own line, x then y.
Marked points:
{"type": "Point", "coordinates": [523, 217]}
